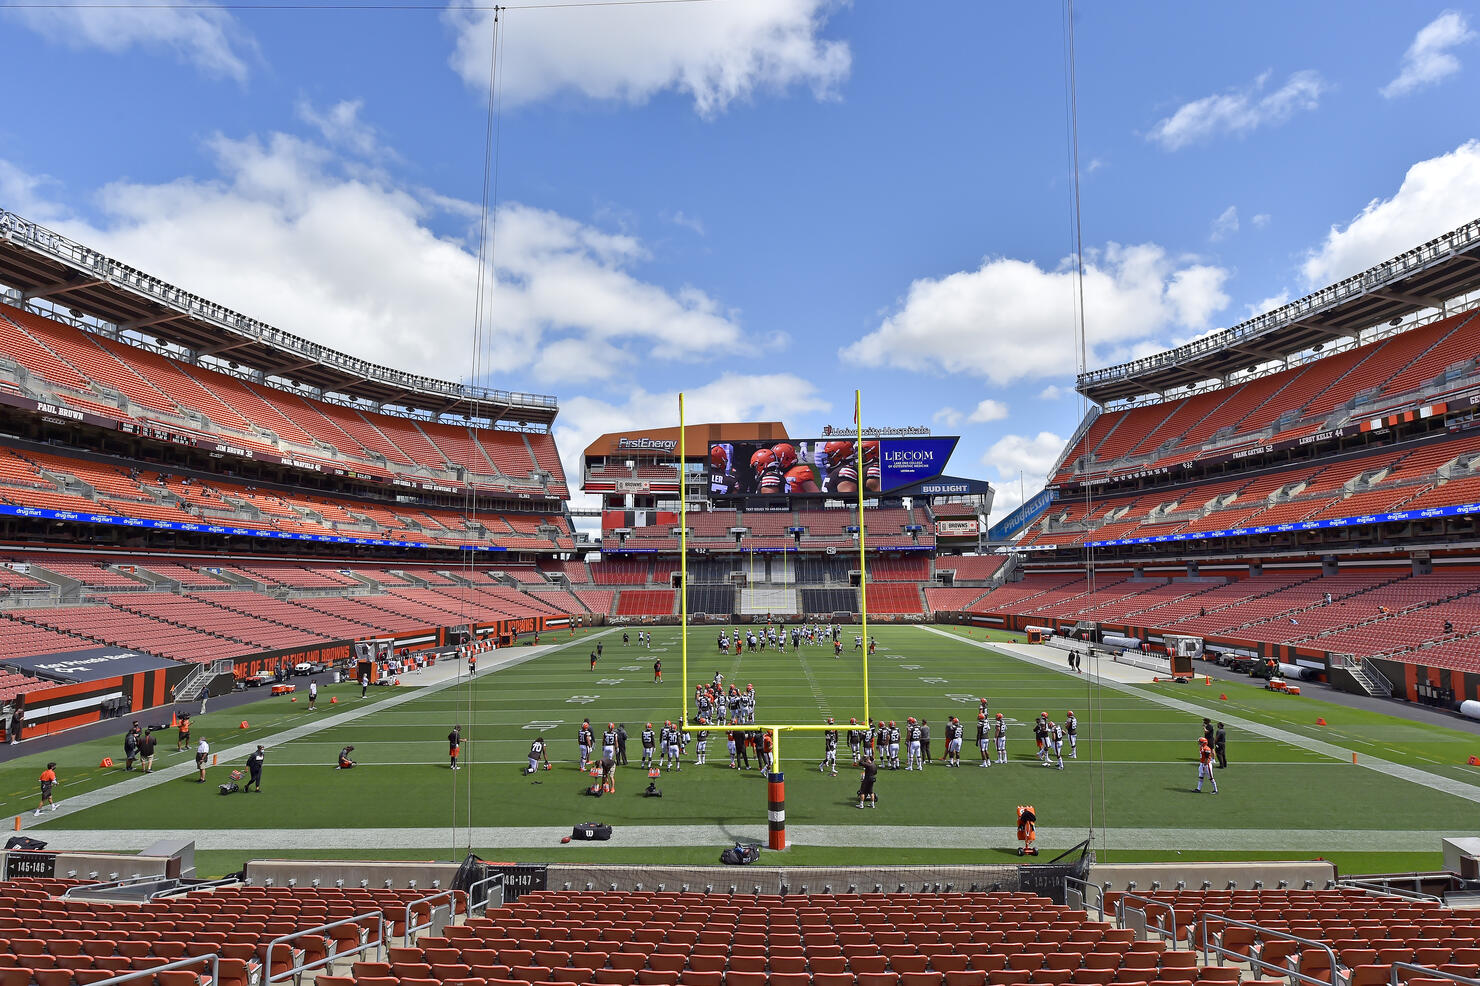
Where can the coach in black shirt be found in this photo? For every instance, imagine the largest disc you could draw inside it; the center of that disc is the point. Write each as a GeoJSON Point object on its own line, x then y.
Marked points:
{"type": "Point", "coordinates": [866, 793]}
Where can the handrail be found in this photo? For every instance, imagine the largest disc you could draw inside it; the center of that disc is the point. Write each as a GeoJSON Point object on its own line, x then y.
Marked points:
{"type": "Point", "coordinates": [186, 888]}
{"type": "Point", "coordinates": [132, 974]}
{"type": "Point", "coordinates": [376, 943]}
{"type": "Point", "coordinates": [1160, 928]}
{"type": "Point", "coordinates": [84, 889]}
{"type": "Point", "coordinates": [1293, 974]}
{"type": "Point", "coordinates": [1431, 974]}
{"type": "Point", "coordinates": [410, 929]}
{"type": "Point", "coordinates": [497, 879]}
{"type": "Point", "coordinates": [1373, 887]}
{"type": "Point", "coordinates": [1086, 886]}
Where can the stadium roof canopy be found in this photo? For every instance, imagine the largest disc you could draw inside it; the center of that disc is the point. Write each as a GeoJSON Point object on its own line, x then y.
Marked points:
{"type": "Point", "coordinates": [1421, 278]}
{"type": "Point", "coordinates": [40, 264]}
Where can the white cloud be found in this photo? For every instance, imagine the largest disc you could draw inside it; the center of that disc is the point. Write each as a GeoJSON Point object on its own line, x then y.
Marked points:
{"type": "Point", "coordinates": [284, 235]}
{"type": "Point", "coordinates": [1428, 60]}
{"type": "Point", "coordinates": [729, 397]}
{"type": "Point", "coordinates": [948, 416]}
{"type": "Point", "coordinates": [341, 126]}
{"type": "Point", "coordinates": [201, 34]}
{"type": "Point", "coordinates": [691, 223]}
{"type": "Point", "coordinates": [1011, 319]}
{"type": "Point", "coordinates": [1053, 392]}
{"type": "Point", "coordinates": [1238, 111]}
{"type": "Point", "coordinates": [988, 410]}
{"type": "Point", "coordinates": [1260, 220]}
{"type": "Point", "coordinates": [1033, 455]}
{"type": "Point", "coordinates": [714, 53]}
{"type": "Point", "coordinates": [1270, 304]}
{"type": "Point", "coordinates": [1225, 225]}
{"type": "Point", "coordinates": [1436, 196]}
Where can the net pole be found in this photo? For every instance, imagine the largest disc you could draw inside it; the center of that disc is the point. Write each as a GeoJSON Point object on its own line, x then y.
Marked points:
{"type": "Point", "coordinates": [862, 559]}
{"type": "Point", "coordinates": [683, 567]}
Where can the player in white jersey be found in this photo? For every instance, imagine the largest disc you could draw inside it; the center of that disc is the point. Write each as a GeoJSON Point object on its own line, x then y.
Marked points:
{"type": "Point", "coordinates": [912, 746]}
{"type": "Point", "coordinates": [893, 745]}
{"type": "Point", "coordinates": [954, 729]}
{"type": "Point", "coordinates": [999, 732]}
{"type": "Point", "coordinates": [829, 750]}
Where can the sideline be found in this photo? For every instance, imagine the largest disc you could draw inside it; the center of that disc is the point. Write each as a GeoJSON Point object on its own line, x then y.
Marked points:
{"type": "Point", "coordinates": [267, 841]}
{"type": "Point", "coordinates": [453, 675]}
{"type": "Point", "coordinates": [1413, 775]}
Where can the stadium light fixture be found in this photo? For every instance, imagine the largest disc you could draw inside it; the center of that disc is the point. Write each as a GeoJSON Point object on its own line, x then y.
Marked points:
{"type": "Point", "coordinates": [1396, 320]}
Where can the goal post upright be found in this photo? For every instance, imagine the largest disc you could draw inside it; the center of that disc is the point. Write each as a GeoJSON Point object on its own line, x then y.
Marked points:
{"type": "Point", "coordinates": [683, 565]}
{"type": "Point", "coordinates": [862, 556]}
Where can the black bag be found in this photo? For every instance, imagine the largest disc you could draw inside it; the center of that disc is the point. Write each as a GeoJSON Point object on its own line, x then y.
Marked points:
{"type": "Point", "coordinates": [229, 788]}
{"type": "Point", "coordinates": [591, 832]}
{"type": "Point", "coordinates": [24, 843]}
{"type": "Point", "coordinates": [740, 855]}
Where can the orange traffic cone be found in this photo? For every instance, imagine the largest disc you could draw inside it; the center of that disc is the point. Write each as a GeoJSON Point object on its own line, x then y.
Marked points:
{"type": "Point", "coordinates": [1223, 697]}
{"type": "Point", "coordinates": [244, 724]}
{"type": "Point", "coordinates": [174, 720]}
{"type": "Point", "coordinates": [1320, 722]}
{"type": "Point", "coordinates": [107, 762]}
{"type": "Point", "coordinates": [1207, 679]}
{"type": "Point", "coordinates": [1473, 761]}
{"type": "Point", "coordinates": [333, 700]}
{"type": "Point", "coordinates": [1155, 680]}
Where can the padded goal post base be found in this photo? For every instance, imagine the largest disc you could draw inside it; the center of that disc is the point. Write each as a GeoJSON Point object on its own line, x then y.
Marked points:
{"type": "Point", "coordinates": [776, 810]}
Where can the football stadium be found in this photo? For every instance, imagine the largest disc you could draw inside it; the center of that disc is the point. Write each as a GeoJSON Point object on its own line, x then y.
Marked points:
{"type": "Point", "coordinates": [731, 683]}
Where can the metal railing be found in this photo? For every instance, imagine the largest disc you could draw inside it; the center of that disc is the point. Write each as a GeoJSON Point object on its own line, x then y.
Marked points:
{"type": "Point", "coordinates": [87, 889]}
{"type": "Point", "coordinates": [1382, 889]}
{"type": "Point", "coordinates": [1159, 927]}
{"type": "Point", "coordinates": [1080, 890]}
{"type": "Point", "coordinates": [377, 943]}
{"type": "Point", "coordinates": [186, 888]}
{"type": "Point", "coordinates": [1268, 322]}
{"type": "Point", "coordinates": [20, 230]}
{"type": "Point", "coordinates": [497, 882]}
{"type": "Point", "coordinates": [409, 930]}
{"type": "Point", "coordinates": [1428, 973]}
{"type": "Point", "coordinates": [135, 974]}
{"type": "Point", "coordinates": [1294, 974]}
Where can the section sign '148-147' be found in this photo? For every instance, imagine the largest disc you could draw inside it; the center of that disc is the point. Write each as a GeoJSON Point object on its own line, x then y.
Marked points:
{"type": "Point", "coordinates": [825, 467]}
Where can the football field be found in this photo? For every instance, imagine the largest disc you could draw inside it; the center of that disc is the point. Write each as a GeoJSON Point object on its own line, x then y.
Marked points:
{"type": "Point", "coordinates": [1291, 789]}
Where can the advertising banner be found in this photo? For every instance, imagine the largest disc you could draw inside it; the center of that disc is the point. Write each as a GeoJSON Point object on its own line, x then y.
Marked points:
{"type": "Point", "coordinates": [1030, 510]}
{"type": "Point", "coordinates": [957, 528]}
{"type": "Point", "coordinates": [88, 665]}
{"type": "Point", "coordinates": [825, 467]}
{"type": "Point", "coordinates": [1428, 513]}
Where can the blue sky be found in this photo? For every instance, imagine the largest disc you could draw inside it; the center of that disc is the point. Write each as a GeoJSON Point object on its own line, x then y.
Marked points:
{"type": "Point", "coordinates": [765, 202]}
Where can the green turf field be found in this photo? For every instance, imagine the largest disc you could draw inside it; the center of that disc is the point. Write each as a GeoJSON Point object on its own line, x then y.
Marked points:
{"type": "Point", "coordinates": [1135, 772]}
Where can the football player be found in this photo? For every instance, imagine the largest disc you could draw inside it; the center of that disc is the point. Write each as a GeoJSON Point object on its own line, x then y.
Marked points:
{"type": "Point", "coordinates": [609, 742]}
{"type": "Point", "coordinates": [1071, 729]}
{"type": "Point", "coordinates": [829, 750]}
{"type": "Point", "coordinates": [953, 742]}
{"type": "Point", "coordinates": [855, 740]}
{"type": "Point", "coordinates": [981, 739]}
{"type": "Point", "coordinates": [1000, 732]}
{"type": "Point", "coordinates": [871, 473]}
{"type": "Point", "coordinates": [537, 755]}
{"type": "Point", "coordinates": [649, 740]}
{"type": "Point", "coordinates": [801, 479]}
{"type": "Point", "coordinates": [701, 743]}
{"type": "Point", "coordinates": [585, 739]}
{"type": "Point", "coordinates": [722, 468]}
{"type": "Point", "coordinates": [913, 760]}
{"type": "Point", "coordinates": [1055, 748]}
{"type": "Point", "coordinates": [842, 470]}
{"type": "Point", "coordinates": [671, 748]}
{"type": "Point", "coordinates": [766, 476]}
{"type": "Point", "coordinates": [893, 745]}
{"type": "Point", "coordinates": [1205, 764]}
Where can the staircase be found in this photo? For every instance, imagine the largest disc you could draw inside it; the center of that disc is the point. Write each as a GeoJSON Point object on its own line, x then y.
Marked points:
{"type": "Point", "coordinates": [1371, 679]}
{"type": "Point", "coordinates": [196, 683]}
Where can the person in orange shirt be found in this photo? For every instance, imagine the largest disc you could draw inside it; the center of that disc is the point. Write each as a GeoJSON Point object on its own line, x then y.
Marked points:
{"type": "Point", "coordinates": [48, 780]}
{"type": "Point", "coordinates": [1205, 763]}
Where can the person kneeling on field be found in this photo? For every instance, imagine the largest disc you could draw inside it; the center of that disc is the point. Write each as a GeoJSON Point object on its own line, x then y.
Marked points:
{"type": "Point", "coordinates": [345, 763]}
{"type": "Point", "coordinates": [537, 755]}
